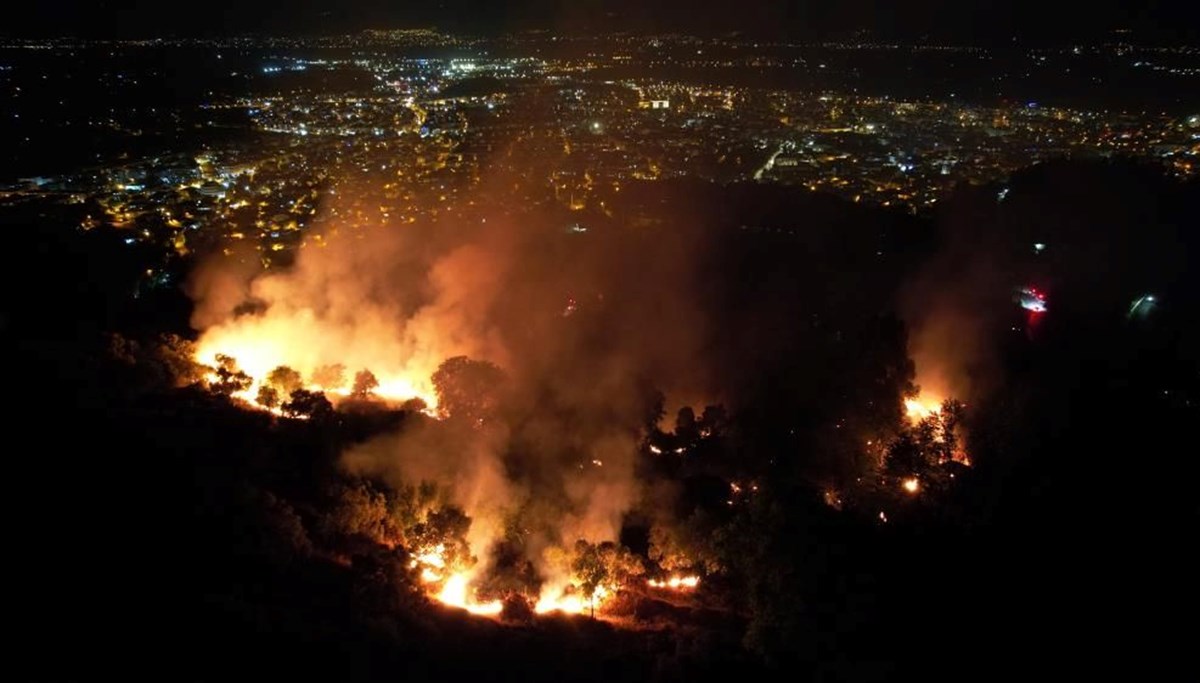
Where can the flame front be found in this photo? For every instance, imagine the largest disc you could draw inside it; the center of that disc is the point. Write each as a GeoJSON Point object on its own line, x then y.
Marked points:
{"type": "Point", "coordinates": [260, 346]}
{"type": "Point", "coordinates": [456, 592]}
{"type": "Point", "coordinates": [675, 582]}
{"type": "Point", "coordinates": [570, 600]}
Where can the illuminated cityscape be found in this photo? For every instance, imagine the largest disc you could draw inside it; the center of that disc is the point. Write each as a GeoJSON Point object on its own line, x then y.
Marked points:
{"type": "Point", "coordinates": [400, 137]}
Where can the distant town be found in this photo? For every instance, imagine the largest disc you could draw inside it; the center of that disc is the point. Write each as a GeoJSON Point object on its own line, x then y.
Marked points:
{"type": "Point", "coordinates": [414, 125]}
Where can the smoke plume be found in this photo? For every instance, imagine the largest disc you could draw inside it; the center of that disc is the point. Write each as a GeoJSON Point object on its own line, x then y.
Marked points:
{"type": "Point", "coordinates": [582, 325]}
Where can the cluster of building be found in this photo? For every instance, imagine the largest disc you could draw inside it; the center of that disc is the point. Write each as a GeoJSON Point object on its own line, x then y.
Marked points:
{"type": "Point", "coordinates": [435, 138]}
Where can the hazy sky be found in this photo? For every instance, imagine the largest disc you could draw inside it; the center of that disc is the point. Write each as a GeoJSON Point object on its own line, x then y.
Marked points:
{"type": "Point", "coordinates": [962, 21]}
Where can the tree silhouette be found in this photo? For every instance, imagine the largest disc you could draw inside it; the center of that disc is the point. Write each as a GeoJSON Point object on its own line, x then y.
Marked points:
{"type": "Point", "coordinates": [415, 405]}
{"type": "Point", "coordinates": [653, 409]}
{"type": "Point", "coordinates": [713, 421]}
{"type": "Point", "coordinates": [229, 377]}
{"type": "Point", "coordinates": [468, 389]}
{"type": "Point", "coordinates": [285, 380]}
{"type": "Point", "coordinates": [267, 396]}
{"type": "Point", "coordinates": [178, 356]}
{"type": "Point", "coordinates": [924, 449]}
{"type": "Point", "coordinates": [309, 404]}
{"type": "Point", "coordinates": [687, 432]}
{"type": "Point", "coordinates": [364, 384]}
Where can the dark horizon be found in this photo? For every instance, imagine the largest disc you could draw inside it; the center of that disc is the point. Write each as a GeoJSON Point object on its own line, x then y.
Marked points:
{"type": "Point", "coordinates": [812, 20]}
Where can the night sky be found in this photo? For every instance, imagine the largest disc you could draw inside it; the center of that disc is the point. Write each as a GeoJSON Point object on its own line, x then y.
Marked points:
{"type": "Point", "coordinates": [985, 21]}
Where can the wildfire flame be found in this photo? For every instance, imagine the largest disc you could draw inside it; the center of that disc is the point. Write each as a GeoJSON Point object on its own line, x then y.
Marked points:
{"type": "Point", "coordinates": [920, 408]}
{"type": "Point", "coordinates": [258, 357]}
{"type": "Point", "coordinates": [569, 600]}
{"type": "Point", "coordinates": [456, 592]}
{"type": "Point", "coordinates": [911, 485]}
{"type": "Point", "coordinates": [455, 589]}
{"type": "Point", "coordinates": [675, 582]}
{"type": "Point", "coordinates": [432, 561]}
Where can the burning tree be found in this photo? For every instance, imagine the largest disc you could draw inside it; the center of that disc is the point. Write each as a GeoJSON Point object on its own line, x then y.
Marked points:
{"type": "Point", "coordinates": [267, 397]}
{"type": "Point", "coordinates": [365, 383]}
{"type": "Point", "coordinates": [228, 378]}
{"type": "Point", "coordinates": [685, 545]}
{"type": "Point", "coordinates": [923, 450]}
{"type": "Point", "coordinates": [603, 568]}
{"type": "Point", "coordinates": [408, 506]}
{"type": "Point", "coordinates": [444, 528]}
{"type": "Point", "coordinates": [284, 380]}
{"type": "Point", "coordinates": [330, 377]}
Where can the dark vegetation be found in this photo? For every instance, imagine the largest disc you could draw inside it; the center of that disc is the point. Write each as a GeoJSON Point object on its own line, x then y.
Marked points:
{"type": "Point", "coordinates": [166, 532]}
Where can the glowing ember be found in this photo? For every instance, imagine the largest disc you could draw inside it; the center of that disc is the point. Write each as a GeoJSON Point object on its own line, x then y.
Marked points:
{"type": "Point", "coordinates": [911, 485]}
{"type": "Point", "coordinates": [675, 582]}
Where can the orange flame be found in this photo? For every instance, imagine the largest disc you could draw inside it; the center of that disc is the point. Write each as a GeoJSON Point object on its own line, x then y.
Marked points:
{"type": "Point", "coordinates": [453, 590]}
{"type": "Point", "coordinates": [568, 600]}
{"type": "Point", "coordinates": [675, 582]}
{"type": "Point", "coordinates": [456, 592]}
{"type": "Point", "coordinates": [257, 357]}
{"type": "Point", "coordinates": [921, 407]}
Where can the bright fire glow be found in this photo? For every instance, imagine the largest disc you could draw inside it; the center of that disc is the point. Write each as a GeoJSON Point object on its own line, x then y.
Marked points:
{"type": "Point", "coordinates": [921, 407]}
{"type": "Point", "coordinates": [258, 356]}
{"type": "Point", "coordinates": [569, 600]}
{"type": "Point", "coordinates": [911, 485]}
{"type": "Point", "coordinates": [431, 561]}
{"type": "Point", "coordinates": [432, 557]}
{"type": "Point", "coordinates": [457, 592]}
{"type": "Point", "coordinates": [454, 590]}
{"type": "Point", "coordinates": [675, 582]}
